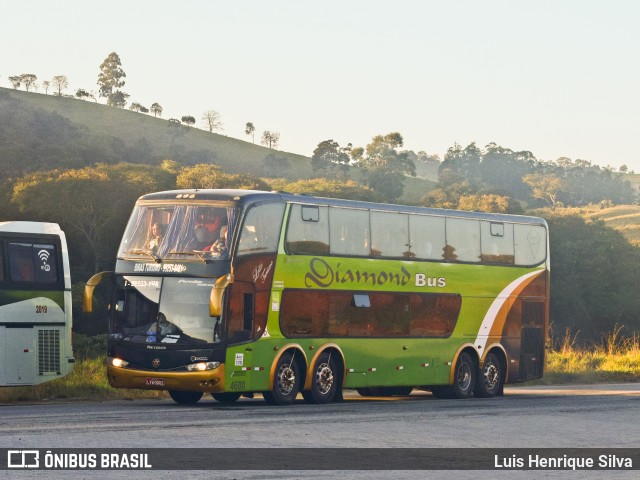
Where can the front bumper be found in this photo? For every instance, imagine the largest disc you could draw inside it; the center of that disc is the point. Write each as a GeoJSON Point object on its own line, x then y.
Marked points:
{"type": "Point", "coordinates": [207, 381]}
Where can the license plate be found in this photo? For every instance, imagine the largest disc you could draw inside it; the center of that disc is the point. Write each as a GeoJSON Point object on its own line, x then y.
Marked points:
{"type": "Point", "coordinates": [155, 382]}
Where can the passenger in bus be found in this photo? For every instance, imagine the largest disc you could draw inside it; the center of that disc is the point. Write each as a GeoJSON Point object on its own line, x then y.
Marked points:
{"type": "Point", "coordinates": [155, 236]}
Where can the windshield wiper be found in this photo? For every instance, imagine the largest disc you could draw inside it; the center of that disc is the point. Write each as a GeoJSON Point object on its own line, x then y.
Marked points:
{"type": "Point", "coordinates": [155, 257]}
{"type": "Point", "coordinates": [195, 254]}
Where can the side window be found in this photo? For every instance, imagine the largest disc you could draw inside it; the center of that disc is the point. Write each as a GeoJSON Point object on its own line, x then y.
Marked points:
{"type": "Point", "coordinates": [530, 244]}
{"type": "Point", "coordinates": [32, 263]}
{"type": "Point", "coordinates": [1, 263]}
{"type": "Point", "coordinates": [463, 240]}
{"type": "Point", "coordinates": [497, 242]}
{"type": "Point", "coordinates": [427, 237]}
{"type": "Point", "coordinates": [261, 229]}
{"type": "Point", "coordinates": [21, 262]}
{"type": "Point", "coordinates": [308, 230]}
{"type": "Point", "coordinates": [344, 314]}
{"type": "Point", "coordinates": [349, 230]}
{"type": "Point", "coordinates": [390, 235]}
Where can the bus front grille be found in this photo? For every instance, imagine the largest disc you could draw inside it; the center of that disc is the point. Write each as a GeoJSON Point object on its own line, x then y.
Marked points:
{"type": "Point", "coordinates": [48, 352]}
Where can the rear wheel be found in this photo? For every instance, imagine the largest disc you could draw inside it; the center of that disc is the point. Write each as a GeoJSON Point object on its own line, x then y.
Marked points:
{"type": "Point", "coordinates": [185, 398]}
{"type": "Point", "coordinates": [226, 397]}
{"type": "Point", "coordinates": [286, 382]}
{"type": "Point", "coordinates": [324, 384]}
{"type": "Point", "coordinates": [490, 377]}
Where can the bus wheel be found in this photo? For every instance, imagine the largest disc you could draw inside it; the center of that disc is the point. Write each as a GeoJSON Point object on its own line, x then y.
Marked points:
{"type": "Point", "coordinates": [490, 377]}
{"type": "Point", "coordinates": [226, 397]}
{"type": "Point", "coordinates": [324, 383]}
{"type": "Point", "coordinates": [464, 377]}
{"type": "Point", "coordinates": [286, 382]}
{"type": "Point", "coordinates": [185, 398]}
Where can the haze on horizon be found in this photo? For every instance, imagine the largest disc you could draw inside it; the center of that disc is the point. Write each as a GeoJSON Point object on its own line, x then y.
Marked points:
{"type": "Point", "coordinates": [555, 78]}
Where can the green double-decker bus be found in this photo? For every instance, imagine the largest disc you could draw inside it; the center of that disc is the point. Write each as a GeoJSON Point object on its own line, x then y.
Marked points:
{"type": "Point", "coordinates": [236, 292]}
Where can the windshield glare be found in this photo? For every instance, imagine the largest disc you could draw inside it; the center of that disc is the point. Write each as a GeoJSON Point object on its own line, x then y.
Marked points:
{"type": "Point", "coordinates": [164, 310]}
{"type": "Point", "coordinates": [189, 232]}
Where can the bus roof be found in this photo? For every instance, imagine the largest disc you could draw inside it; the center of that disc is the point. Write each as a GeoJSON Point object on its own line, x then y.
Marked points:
{"type": "Point", "coordinates": [30, 227]}
{"type": "Point", "coordinates": [255, 196]}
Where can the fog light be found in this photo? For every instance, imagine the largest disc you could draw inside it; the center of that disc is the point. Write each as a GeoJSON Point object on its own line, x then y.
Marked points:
{"type": "Point", "coordinates": [202, 366]}
{"type": "Point", "coordinates": [117, 362]}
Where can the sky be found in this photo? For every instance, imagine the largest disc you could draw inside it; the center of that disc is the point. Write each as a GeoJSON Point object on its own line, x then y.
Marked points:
{"type": "Point", "coordinates": [559, 78]}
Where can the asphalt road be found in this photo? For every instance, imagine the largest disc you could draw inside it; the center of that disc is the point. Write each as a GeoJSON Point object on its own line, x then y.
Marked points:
{"type": "Point", "coordinates": [526, 417]}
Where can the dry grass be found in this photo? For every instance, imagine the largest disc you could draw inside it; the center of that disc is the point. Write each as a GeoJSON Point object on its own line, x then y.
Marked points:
{"type": "Point", "coordinates": [614, 359]}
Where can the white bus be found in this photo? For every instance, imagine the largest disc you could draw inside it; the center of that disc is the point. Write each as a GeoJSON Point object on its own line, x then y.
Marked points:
{"type": "Point", "coordinates": [35, 304]}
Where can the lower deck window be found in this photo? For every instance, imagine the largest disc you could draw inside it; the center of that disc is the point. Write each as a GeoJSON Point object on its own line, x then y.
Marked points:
{"type": "Point", "coordinates": [345, 314]}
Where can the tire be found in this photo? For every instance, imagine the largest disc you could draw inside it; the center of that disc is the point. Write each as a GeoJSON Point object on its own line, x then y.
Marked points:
{"type": "Point", "coordinates": [490, 377]}
{"type": "Point", "coordinates": [464, 377]}
{"type": "Point", "coordinates": [286, 382]}
{"type": "Point", "coordinates": [464, 380]}
{"type": "Point", "coordinates": [325, 381]}
{"type": "Point", "coordinates": [226, 397]}
{"type": "Point", "coordinates": [185, 398]}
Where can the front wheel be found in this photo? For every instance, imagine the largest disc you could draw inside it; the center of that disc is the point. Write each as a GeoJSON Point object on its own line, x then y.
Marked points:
{"type": "Point", "coordinates": [185, 398]}
{"type": "Point", "coordinates": [464, 378]}
{"type": "Point", "coordinates": [490, 377]}
{"type": "Point", "coordinates": [226, 397]}
{"type": "Point", "coordinates": [286, 382]}
{"type": "Point", "coordinates": [324, 384]}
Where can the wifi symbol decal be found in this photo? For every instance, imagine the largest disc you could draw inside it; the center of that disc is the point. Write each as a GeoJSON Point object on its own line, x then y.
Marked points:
{"type": "Point", "coordinates": [44, 255]}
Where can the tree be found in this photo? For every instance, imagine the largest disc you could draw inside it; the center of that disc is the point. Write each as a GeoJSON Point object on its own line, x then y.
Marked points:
{"type": "Point", "coordinates": [80, 93]}
{"type": "Point", "coordinates": [135, 106]}
{"type": "Point", "coordinates": [60, 82]}
{"type": "Point", "coordinates": [46, 84]}
{"type": "Point", "coordinates": [28, 79]}
{"type": "Point", "coordinates": [210, 176]}
{"type": "Point", "coordinates": [156, 109]}
{"type": "Point", "coordinates": [544, 187]}
{"type": "Point", "coordinates": [118, 99]}
{"type": "Point", "coordinates": [188, 119]}
{"type": "Point", "coordinates": [249, 129]}
{"type": "Point", "coordinates": [211, 120]}
{"type": "Point", "coordinates": [385, 165]}
{"type": "Point", "coordinates": [15, 81]}
{"type": "Point", "coordinates": [270, 139]}
{"type": "Point", "coordinates": [328, 155]}
{"type": "Point", "coordinates": [111, 79]}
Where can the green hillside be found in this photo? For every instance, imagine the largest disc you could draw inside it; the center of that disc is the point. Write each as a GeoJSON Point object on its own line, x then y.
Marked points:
{"type": "Point", "coordinates": [623, 218]}
{"type": "Point", "coordinates": [115, 132]}
{"type": "Point", "coordinates": [43, 132]}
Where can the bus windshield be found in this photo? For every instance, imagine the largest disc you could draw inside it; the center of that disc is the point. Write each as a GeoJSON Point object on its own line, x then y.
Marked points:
{"type": "Point", "coordinates": [185, 232]}
{"type": "Point", "coordinates": [164, 310]}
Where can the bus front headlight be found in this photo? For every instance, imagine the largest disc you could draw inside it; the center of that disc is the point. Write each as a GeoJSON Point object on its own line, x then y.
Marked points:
{"type": "Point", "coordinates": [117, 362]}
{"type": "Point", "coordinates": [202, 366]}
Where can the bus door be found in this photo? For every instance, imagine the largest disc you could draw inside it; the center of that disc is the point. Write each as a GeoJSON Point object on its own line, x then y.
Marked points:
{"type": "Point", "coordinates": [239, 335]}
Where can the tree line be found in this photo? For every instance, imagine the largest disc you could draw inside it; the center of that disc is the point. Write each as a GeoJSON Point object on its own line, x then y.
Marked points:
{"type": "Point", "coordinates": [594, 274]}
{"type": "Point", "coordinates": [111, 80]}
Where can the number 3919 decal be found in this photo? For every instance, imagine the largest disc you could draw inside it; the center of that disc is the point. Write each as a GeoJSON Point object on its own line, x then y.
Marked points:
{"type": "Point", "coordinates": [41, 309]}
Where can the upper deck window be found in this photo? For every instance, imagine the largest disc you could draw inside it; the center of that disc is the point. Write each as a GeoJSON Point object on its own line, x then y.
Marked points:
{"type": "Point", "coordinates": [261, 229]}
